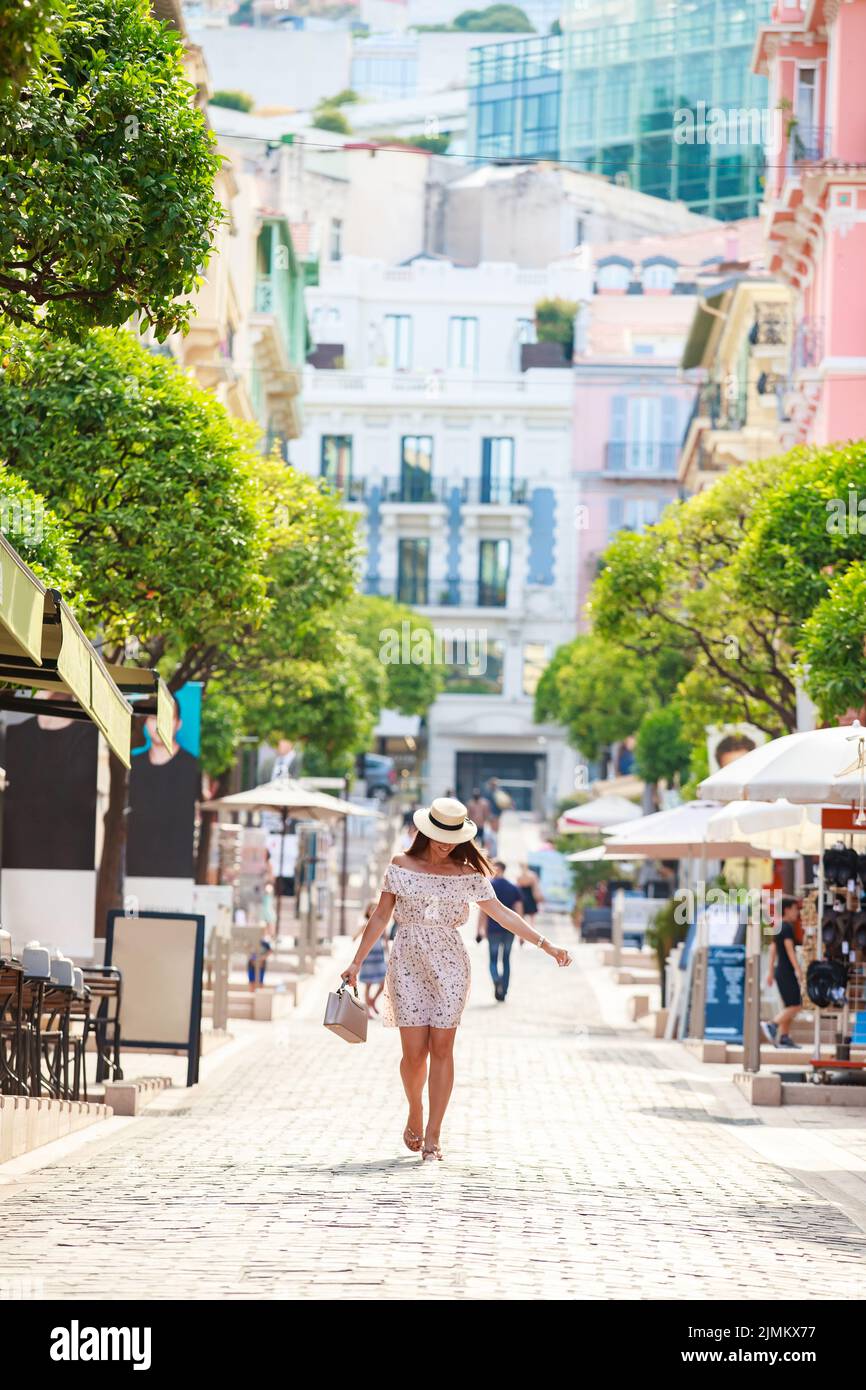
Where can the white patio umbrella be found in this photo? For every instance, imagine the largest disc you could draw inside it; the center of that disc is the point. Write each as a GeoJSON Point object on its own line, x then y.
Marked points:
{"type": "Point", "coordinates": [293, 798]}
{"type": "Point", "coordinates": [681, 833]}
{"type": "Point", "coordinates": [597, 814]}
{"type": "Point", "coordinates": [810, 768]}
{"type": "Point", "coordinates": [295, 802]}
{"type": "Point", "coordinates": [591, 856]}
{"type": "Point", "coordinates": [775, 826]}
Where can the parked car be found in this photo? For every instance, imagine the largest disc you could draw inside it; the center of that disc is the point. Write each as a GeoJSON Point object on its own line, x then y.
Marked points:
{"type": "Point", "coordinates": [380, 776]}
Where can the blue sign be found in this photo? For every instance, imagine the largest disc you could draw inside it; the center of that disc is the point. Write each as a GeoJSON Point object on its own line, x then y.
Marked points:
{"type": "Point", "coordinates": [726, 984]}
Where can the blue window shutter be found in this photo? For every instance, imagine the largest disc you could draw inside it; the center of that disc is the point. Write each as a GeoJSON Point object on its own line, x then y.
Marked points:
{"type": "Point", "coordinates": [669, 419]}
{"type": "Point", "coordinates": [618, 417]}
{"type": "Point", "coordinates": [615, 515]}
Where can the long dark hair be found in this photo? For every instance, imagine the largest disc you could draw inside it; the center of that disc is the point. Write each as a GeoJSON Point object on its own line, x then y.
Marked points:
{"type": "Point", "coordinates": [467, 853]}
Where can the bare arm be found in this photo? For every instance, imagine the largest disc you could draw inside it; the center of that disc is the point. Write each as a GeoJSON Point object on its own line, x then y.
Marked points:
{"type": "Point", "coordinates": [771, 967]}
{"type": "Point", "coordinates": [492, 907]}
{"type": "Point", "coordinates": [376, 924]}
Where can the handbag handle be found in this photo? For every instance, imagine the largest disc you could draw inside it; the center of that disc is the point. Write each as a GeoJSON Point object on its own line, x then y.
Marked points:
{"type": "Point", "coordinates": [343, 986]}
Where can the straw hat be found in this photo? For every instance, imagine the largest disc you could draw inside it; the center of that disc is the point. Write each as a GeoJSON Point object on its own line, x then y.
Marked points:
{"type": "Point", "coordinates": [447, 820]}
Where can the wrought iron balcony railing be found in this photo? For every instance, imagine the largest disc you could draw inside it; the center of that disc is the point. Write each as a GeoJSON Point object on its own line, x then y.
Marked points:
{"type": "Point", "coordinates": [642, 456]}
{"type": "Point", "coordinates": [420, 592]}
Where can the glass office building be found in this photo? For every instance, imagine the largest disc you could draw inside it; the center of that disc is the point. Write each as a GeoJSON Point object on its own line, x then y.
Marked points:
{"type": "Point", "coordinates": [666, 100]}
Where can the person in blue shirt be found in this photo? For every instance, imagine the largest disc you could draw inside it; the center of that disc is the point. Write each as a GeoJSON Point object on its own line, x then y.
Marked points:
{"type": "Point", "coordinates": [500, 941]}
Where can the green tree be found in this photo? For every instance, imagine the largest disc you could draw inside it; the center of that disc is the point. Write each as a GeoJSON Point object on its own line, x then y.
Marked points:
{"type": "Point", "coordinates": [661, 750]}
{"type": "Point", "coordinates": [594, 688]}
{"type": "Point", "coordinates": [233, 101]}
{"type": "Point", "coordinates": [674, 589]}
{"type": "Point", "coordinates": [34, 531]}
{"type": "Point", "coordinates": [409, 686]}
{"type": "Point", "coordinates": [28, 30]}
{"type": "Point", "coordinates": [807, 528]}
{"type": "Point", "coordinates": [495, 19]}
{"type": "Point", "coordinates": [833, 646]}
{"type": "Point", "coordinates": [106, 175]}
{"type": "Point", "coordinates": [331, 118]}
{"type": "Point", "coordinates": [554, 323]}
{"type": "Point", "coordinates": [154, 481]}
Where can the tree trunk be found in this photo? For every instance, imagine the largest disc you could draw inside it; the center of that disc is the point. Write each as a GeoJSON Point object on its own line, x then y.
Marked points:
{"type": "Point", "coordinates": [109, 880]}
{"type": "Point", "coordinates": [219, 787]}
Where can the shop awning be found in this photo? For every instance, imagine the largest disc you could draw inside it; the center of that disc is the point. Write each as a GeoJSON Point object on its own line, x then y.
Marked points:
{"type": "Point", "coordinates": [42, 647]}
{"type": "Point", "coordinates": [152, 696]}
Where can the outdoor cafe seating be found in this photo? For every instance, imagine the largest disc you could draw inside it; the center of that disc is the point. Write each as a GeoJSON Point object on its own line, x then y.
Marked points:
{"type": "Point", "coordinates": [51, 1014]}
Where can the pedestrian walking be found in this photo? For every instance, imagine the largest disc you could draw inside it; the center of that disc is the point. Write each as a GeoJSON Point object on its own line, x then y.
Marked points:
{"type": "Point", "coordinates": [258, 959]}
{"type": "Point", "coordinates": [530, 891]}
{"type": "Point", "coordinates": [478, 810]}
{"type": "Point", "coordinates": [785, 969]}
{"type": "Point", "coordinates": [430, 889]}
{"type": "Point", "coordinates": [500, 941]}
{"type": "Point", "coordinates": [372, 973]}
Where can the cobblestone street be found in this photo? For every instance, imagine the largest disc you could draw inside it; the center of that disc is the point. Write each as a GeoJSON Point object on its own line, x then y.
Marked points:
{"type": "Point", "coordinates": [581, 1161]}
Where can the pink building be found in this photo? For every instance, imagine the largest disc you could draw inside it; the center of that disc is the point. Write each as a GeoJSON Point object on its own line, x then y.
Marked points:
{"type": "Point", "coordinates": [813, 51]}
{"type": "Point", "coordinates": [632, 403]}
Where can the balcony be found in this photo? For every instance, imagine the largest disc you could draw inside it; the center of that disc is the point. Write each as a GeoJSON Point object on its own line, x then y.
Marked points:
{"type": "Point", "coordinates": [641, 458]}
{"type": "Point", "coordinates": [770, 328]}
{"type": "Point", "coordinates": [808, 347]}
{"type": "Point", "coordinates": [543, 355]}
{"type": "Point", "coordinates": [808, 144]}
{"type": "Point", "coordinates": [419, 489]}
{"type": "Point", "coordinates": [725, 409]}
{"type": "Point", "coordinates": [426, 593]}
{"type": "Point", "coordinates": [511, 492]}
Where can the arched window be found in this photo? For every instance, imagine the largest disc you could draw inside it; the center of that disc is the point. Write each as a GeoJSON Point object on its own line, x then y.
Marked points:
{"type": "Point", "coordinates": [614, 275]}
{"type": "Point", "coordinates": [658, 276]}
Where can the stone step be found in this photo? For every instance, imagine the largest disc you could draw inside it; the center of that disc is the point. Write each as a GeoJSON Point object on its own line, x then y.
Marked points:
{"type": "Point", "coordinates": [130, 1097]}
{"type": "Point", "coordinates": [28, 1122]}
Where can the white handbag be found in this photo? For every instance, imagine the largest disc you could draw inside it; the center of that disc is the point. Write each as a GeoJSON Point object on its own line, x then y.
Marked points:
{"type": "Point", "coordinates": [345, 1016]}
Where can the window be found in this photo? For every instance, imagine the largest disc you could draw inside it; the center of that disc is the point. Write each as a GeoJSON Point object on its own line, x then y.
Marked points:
{"type": "Point", "coordinates": [497, 470]}
{"type": "Point", "coordinates": [633, 513]}
{"type": "Point", "coordinates": [336, 460]}
{"type": "Point", "coordinates": [336, 246]}
{"type": "Point", "coordinates": [325, 323]}
{"type": "Point", "coordinates": [413, 558]}
{"type": "Point", "coordinates": [613, 276]}
{"type": "Point", "coordinates": [534, 662]}
{"type": "Point", "coordinates": [804, 99]}
{"type": "Point", "coordinates": [494, 562]}
{"type": "Point", "coordinates": [398, 341]}
{"type": "Point", "coordinates": [644, 434]}
{"type": "Point", "coordinates": [463, 342]}
{"type": "Point", "coordinates": [480, 673]}
{"type": "Point", "coordinates": [416, 468]}
{"type": "Point", "coordinates": [578, 232]}
{"type": "Point", "coordinates": [658, 276]}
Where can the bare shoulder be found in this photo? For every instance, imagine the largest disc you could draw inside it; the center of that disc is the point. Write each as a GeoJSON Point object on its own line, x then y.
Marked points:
{"type": "Point", "coordinates": [401, 860]}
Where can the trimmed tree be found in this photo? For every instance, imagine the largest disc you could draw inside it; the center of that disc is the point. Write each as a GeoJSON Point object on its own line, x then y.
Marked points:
{"type": "Point", "coordinates": [154, 481]}
{"type": "Point", "coordinates": [106, 172]}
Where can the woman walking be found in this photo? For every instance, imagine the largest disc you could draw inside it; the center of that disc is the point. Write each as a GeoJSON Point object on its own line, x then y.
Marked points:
{"type": "Point", "coordinates": [530, 891]}
{"type": "Point", "coordinates": [427, 984]}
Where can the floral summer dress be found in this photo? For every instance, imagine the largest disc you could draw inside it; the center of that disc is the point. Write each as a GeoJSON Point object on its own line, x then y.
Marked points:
{"type": "Point", "coordinates": [428, 977]}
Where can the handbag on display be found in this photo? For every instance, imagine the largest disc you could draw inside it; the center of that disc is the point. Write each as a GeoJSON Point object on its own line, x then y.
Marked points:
{"type": "Point", "coordinates": [345, 1016]}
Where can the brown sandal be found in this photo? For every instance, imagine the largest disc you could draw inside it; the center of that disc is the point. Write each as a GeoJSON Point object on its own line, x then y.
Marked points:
{"type": "Point", "coordinates": [414, 1141]}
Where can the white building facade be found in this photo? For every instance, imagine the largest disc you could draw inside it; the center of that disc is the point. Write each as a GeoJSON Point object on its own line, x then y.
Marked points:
{"type": "Point", "coordinates": [430, 411]}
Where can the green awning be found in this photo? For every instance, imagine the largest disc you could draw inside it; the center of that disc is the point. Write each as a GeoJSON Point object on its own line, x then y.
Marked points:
{"type": "Point", "coordinates": [155, 697]}
{"type": "Point", "coordinates": [42, 647]}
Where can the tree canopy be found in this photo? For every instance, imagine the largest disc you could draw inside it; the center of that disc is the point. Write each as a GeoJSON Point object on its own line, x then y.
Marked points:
{"type": "Point", "coordinates": [107, 207]}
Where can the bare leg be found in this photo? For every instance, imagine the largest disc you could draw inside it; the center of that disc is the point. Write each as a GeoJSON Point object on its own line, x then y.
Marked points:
{"type": "Point", "coordinates": [375, 991]}
{"type": "Point", "coordinates": [786, 1018]}
{"type": "Point", "coordinates": [441, 1079]}
{"type": "Point", "coordinates": [413, 1073]}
